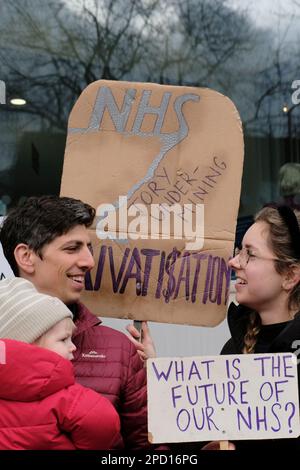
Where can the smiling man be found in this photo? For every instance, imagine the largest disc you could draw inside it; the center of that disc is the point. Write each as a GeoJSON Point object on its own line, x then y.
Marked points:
{"type": "Point", "coordinates": [46, 241]}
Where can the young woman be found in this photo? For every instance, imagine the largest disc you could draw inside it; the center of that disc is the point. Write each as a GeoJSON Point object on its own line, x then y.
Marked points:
{"type": "Point", "coordinates": [268, 292]}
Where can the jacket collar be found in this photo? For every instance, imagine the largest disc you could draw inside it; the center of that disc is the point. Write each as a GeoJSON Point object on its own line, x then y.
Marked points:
{"type": "Point", "coordinates": [238, 316]}
{"type": "Point", "coordinates": [84, 319]}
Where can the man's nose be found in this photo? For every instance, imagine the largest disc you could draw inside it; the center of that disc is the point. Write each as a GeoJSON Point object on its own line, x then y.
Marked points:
{"type": "Point", "coordinates": [86, 259]}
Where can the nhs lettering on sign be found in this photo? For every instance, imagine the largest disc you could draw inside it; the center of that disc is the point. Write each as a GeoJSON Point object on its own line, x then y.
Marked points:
{"type": "Point", "coordinates": [149, 157]}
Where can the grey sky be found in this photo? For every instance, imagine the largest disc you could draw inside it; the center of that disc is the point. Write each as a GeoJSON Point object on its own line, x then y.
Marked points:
{"type": "Point", "coordinates": [274, 14]}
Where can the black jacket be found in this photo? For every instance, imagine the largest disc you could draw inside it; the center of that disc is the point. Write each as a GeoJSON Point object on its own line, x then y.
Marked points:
{"type": "Point", "coordinates": [271, 339]}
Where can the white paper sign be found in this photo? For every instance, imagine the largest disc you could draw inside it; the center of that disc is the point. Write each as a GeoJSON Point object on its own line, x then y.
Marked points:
{"type": "Point", "coordinates": [249, 396]}
{"type": "Point", "coordinates": [5, 269]}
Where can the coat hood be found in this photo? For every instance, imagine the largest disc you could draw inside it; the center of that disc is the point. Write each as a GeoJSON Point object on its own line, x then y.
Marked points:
{"type": "Point", "coordinates": [30, 373]}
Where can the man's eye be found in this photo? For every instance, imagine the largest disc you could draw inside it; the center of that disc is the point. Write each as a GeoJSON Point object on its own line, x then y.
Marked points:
{"type": "Point", "coordinates": [71, 248]}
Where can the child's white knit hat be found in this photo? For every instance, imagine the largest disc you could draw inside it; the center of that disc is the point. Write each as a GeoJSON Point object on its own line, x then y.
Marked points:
{"type": "Point", "coordinates": [25, 314]}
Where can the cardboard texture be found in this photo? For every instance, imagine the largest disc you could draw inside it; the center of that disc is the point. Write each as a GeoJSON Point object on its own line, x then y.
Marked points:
{"type": "Point", "coordinates": [231, 397]}
{"type": "Point", "coordinates": [155, 144]}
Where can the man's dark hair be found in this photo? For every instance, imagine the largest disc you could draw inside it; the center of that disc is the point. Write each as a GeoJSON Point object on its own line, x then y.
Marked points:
{"type": "Point", "coordinates": [39, 220]}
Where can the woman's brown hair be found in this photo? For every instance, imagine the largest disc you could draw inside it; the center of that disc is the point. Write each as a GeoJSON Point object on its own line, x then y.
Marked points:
{"type": "Point", "coordinates": [281, 243]}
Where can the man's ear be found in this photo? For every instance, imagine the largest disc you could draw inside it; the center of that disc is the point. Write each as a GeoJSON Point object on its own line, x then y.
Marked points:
{"type": "Point", "coordinates": [24, 257]}
{"type": "Point", "coordinates": [291, 278]}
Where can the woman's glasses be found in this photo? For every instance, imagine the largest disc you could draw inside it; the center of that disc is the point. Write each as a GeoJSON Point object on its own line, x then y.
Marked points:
{"type": "Point", "coordinates": [244, 256]}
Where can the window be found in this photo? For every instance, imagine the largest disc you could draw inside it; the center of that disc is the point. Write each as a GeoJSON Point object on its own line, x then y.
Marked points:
{"type": "Point", "coordinates": [50, 51]}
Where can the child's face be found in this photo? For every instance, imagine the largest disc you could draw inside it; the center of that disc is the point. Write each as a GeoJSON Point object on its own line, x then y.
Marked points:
{"type": "Point", "coordinates": [59, 339]}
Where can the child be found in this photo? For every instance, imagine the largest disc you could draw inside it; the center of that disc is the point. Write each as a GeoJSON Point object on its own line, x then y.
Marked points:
{"type": "Point", "coordinates": [41, 407]}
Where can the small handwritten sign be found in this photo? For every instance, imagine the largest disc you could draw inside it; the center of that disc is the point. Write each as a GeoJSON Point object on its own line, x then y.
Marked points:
{"type": "Point", "coordinates": [248, 396]}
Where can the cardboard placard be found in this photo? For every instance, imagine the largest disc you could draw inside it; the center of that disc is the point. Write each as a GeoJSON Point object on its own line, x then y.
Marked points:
{"type": "Point", "coordinates": [134, 148]}
{"type": "Point", "coordinates": [249, 396]}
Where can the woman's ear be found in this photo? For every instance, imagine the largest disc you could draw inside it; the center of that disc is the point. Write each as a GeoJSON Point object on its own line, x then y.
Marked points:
{"type": "Point", "coordinates": [291, 278]}
{"type": "Point", "coordinates": [24, 257]}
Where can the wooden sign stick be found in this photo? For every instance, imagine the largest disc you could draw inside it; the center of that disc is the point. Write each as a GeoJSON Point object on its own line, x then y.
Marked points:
{"type": "Point", "coordinates": [138, 326]}
{"type": "Point", "coordinates": [224, 445]}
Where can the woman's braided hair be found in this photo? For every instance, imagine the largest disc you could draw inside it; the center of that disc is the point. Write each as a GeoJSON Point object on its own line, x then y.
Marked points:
{"type": "Point", "coordinates": [253, 329]}
{"type": "Point", "coordinates": [281, 243]}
